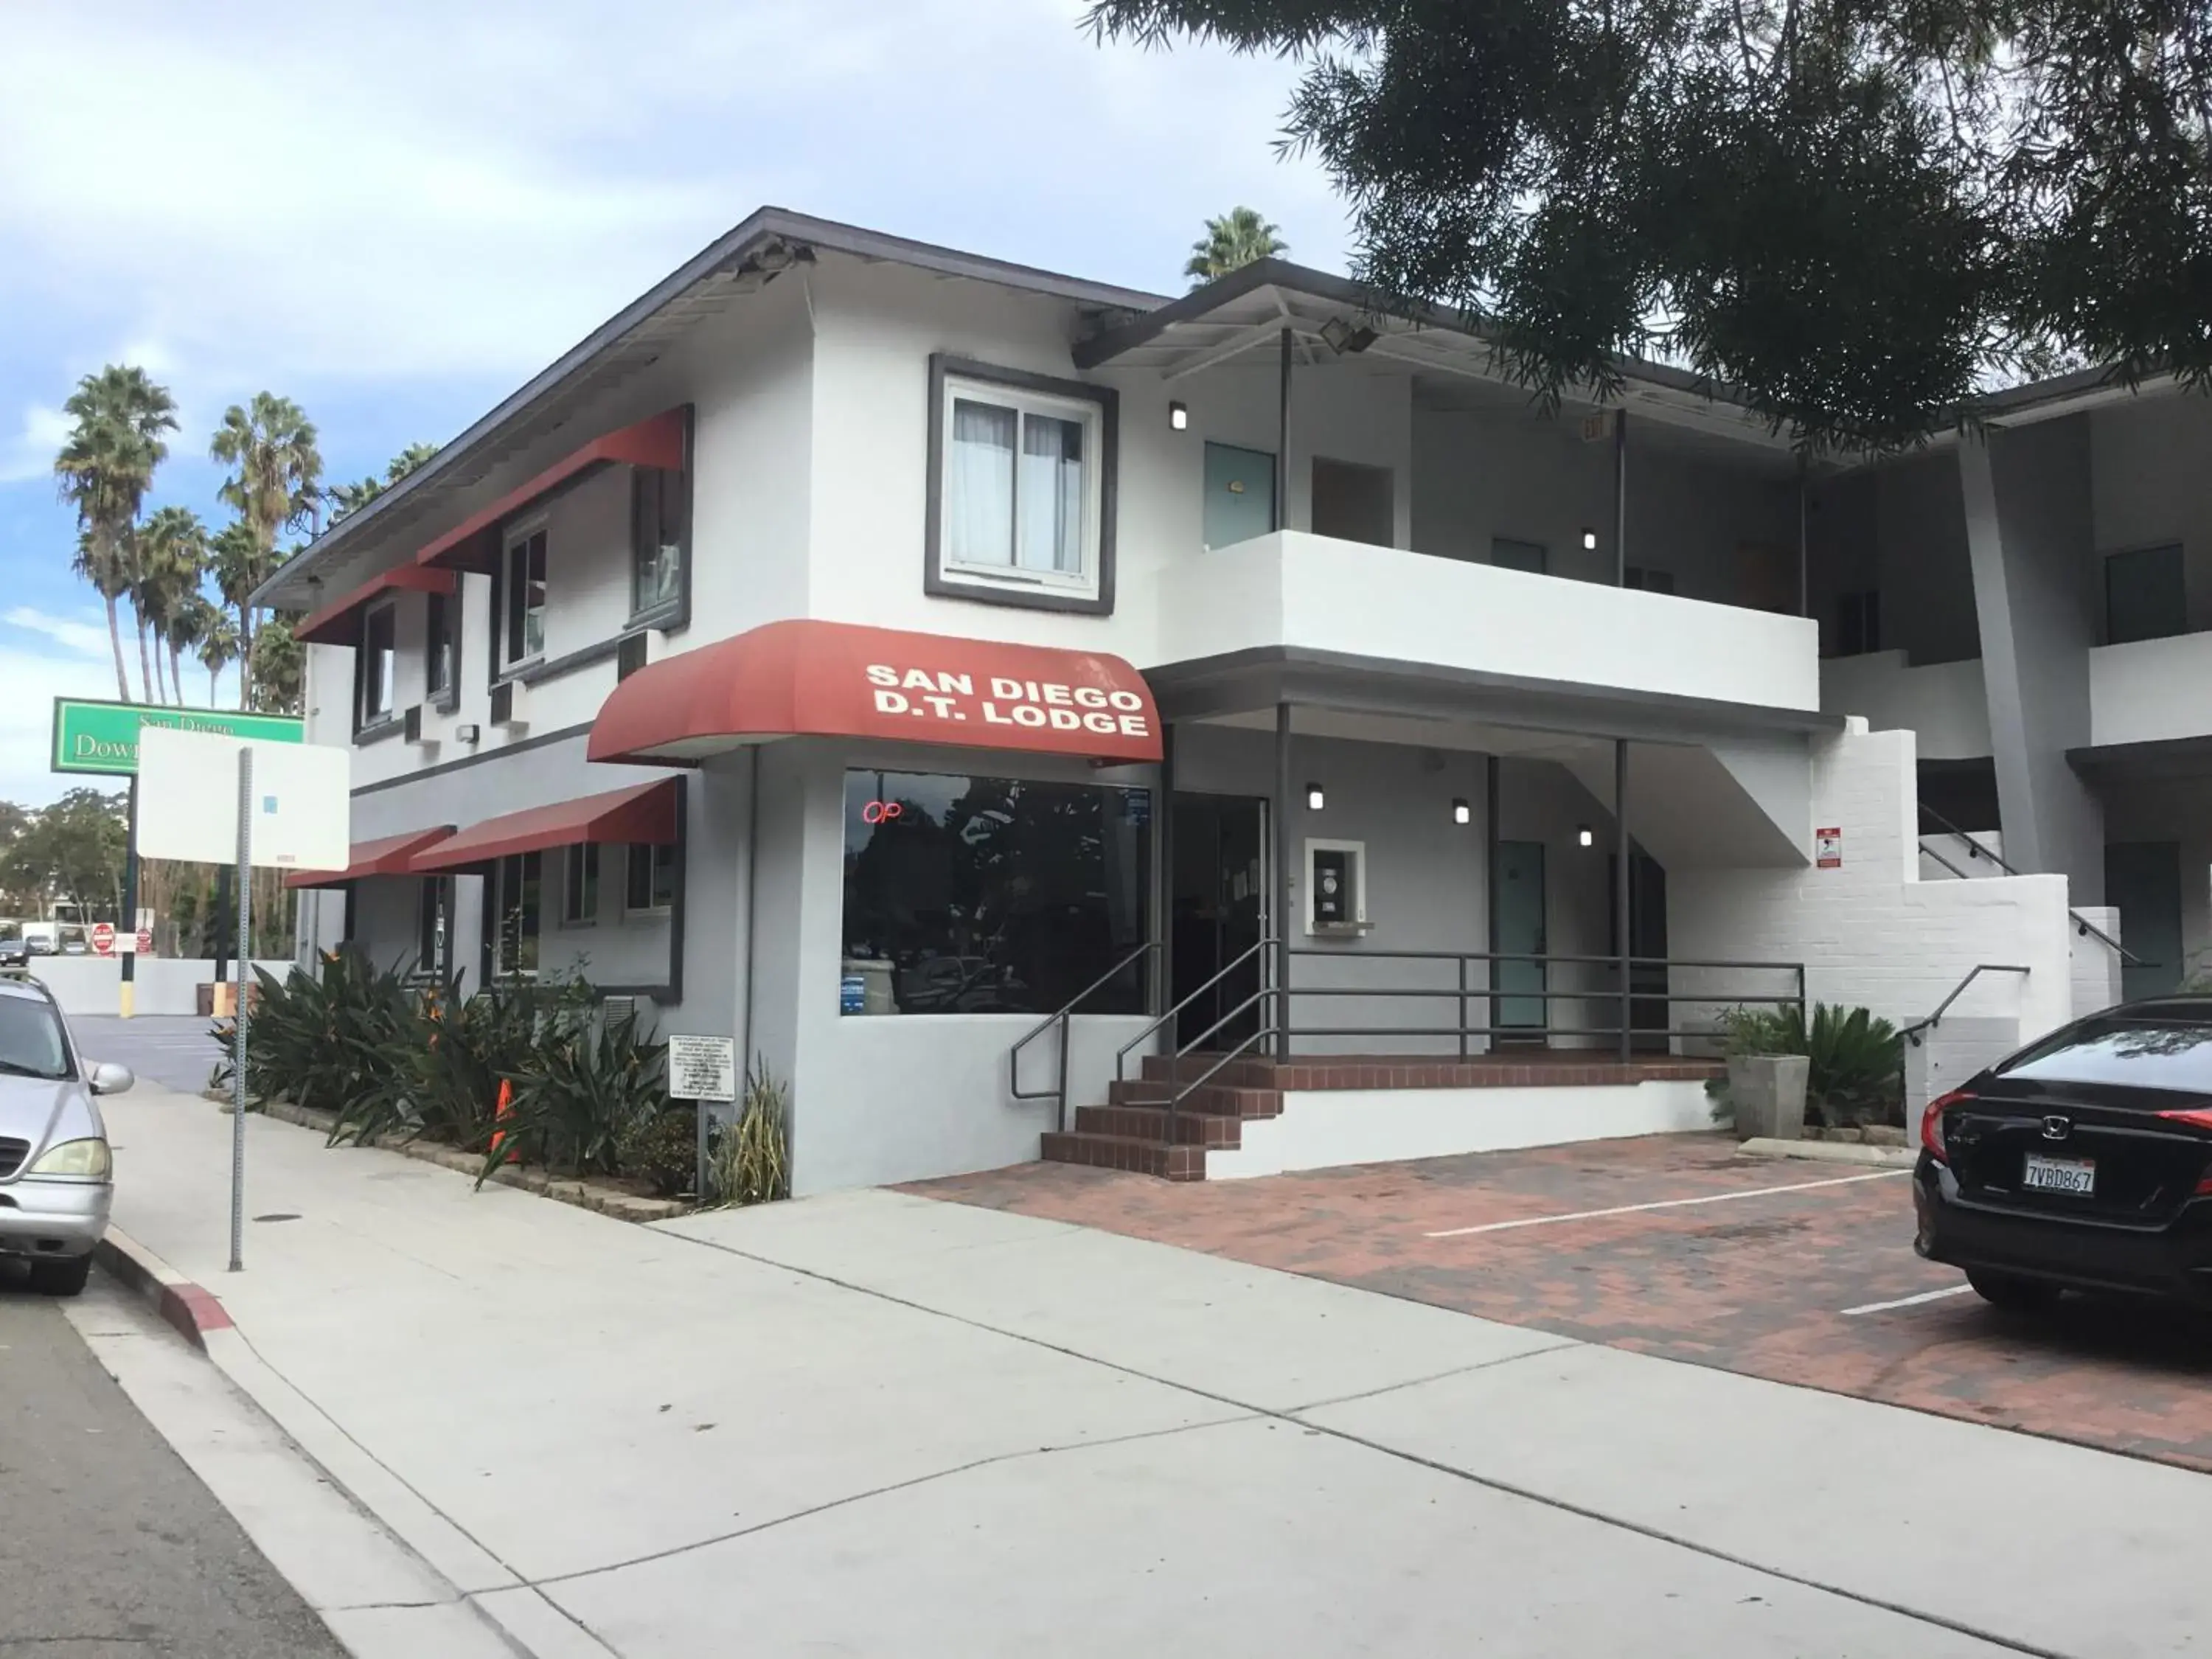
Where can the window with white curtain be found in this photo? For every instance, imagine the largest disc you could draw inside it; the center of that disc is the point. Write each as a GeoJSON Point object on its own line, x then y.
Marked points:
{"type": "Point", "coordinates": [1021, 490]}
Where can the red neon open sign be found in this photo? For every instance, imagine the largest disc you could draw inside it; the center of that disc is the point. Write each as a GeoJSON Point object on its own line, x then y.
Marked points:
{"type": "Point", "coordinates": [881, 812]}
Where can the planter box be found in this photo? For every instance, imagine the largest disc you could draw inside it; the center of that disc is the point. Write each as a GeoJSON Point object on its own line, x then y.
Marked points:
{"type": "Point", "coordinates": [1768, 1093]}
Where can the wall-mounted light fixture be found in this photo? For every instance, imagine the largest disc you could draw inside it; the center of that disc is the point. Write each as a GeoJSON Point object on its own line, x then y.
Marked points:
{"type": "Point", "coordinates": [1179, 417]}
{"type": "Point", "coordinates": [1314, 798]}
{"type": "Point", "coordinates": [1590, 541]}
{"type": "Point", "coordinates": [1346, 339]}
{"type": "Point", "coordinates": [1462, 812]}
{"type": "Point", "coordinates": [1584, 835]}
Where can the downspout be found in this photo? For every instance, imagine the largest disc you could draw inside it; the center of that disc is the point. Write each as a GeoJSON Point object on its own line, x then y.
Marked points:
{"type": "Point", "coordinates": [1620, 879]}
{"type": "Point", "coordinates": [1283, 437]}
{"type": "Point", "coordinates": [1621, 497]}
{"type": "Point", "coordinates": [1282, 907]}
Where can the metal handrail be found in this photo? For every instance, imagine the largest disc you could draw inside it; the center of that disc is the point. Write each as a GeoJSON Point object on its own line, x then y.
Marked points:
{"type": "Point", "coordinates": [1976, 850]}
{"type": "Point", "coordinates": [1121, 1055]}
{"type": "Point", "coordinates": [1261, 1029]}
{"type": "Point", "coordinates": [1911, 1033]}
{"type": "Point", "coordinates": [1064, 1019]}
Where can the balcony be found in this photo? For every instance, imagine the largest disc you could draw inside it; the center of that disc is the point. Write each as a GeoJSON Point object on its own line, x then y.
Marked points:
{"type": "Point", "coordinates": [1944, 702]}
{"type": "Point", "coordinates": [1315, 593]}
{"type": "Point", "coordinates": [2150, 690]}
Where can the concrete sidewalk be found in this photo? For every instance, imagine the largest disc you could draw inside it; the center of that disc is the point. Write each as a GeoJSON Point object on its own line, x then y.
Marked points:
{"type": "Point", "coordinates": [875, 1424]}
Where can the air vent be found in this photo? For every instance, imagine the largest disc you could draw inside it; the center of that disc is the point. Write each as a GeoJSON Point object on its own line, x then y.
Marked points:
{"type": "Point", "coordinates": [629, 655]}
{"type": "Point", "coordinates": [617, 1009]}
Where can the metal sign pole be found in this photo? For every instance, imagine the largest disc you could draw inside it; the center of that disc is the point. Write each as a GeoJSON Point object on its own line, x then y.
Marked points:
{"type": "Point", "coordinates": [239, 1019]}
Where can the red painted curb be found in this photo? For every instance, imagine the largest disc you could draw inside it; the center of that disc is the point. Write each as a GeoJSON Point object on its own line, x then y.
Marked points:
{"type": "Point", "coordinates": [190, 1309]}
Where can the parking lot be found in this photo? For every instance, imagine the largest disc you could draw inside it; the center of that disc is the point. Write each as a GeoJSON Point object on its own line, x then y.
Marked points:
{"type": "Point", "coordinates": [1798, 1272]}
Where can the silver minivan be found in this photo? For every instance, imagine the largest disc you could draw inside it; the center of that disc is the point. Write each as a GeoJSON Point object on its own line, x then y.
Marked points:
{"type": "Point", "coordinates": [56, 1172]}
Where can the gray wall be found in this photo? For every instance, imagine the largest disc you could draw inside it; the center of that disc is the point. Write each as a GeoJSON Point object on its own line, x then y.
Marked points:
{"type": "Point", "coordinates": [2029, 529]}
{"type": "Point", "coordinates": [1900, 528]}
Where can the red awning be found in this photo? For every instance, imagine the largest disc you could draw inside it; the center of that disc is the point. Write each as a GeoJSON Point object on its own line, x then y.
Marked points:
{"type": "Point", "coordinates": [338, 624]}
{"type": "Point", "coordinates": [808, 679]}
{"type": "Point", "coordinates": [643, 812]}
{"type": "Point", "coordinates": [658, 442]}
{"type": "Point", "coordinates": [388, 857]}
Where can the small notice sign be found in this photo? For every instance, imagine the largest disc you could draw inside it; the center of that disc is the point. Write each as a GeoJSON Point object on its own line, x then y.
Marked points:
{"type": "Point", "coordinates": [1828, 849]}
{"type": "Point", "coordinates": [703, 1068]}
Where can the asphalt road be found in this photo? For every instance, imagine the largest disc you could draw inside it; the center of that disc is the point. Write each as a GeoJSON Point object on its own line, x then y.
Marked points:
{"type": "Point", "coordinates": [109, 1548]}
{"type": "Point", "coordinates": [175, 1052]}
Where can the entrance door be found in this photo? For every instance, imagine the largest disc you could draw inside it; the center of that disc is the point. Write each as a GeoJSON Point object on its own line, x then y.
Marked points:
{"type": "Point", "coordinates": [1240, 494]}
{"type": "Point", "coordinates": [2143, 879]}
{"type": "Point", "coordinates": [1517, 897]}
{"type": "Point", "coordinates": [1219, 908]}
{"type": "Point", "coordinates": [1649, 1011]}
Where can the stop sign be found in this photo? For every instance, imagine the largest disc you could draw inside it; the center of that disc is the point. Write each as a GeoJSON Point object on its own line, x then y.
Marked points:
{"type": "Point", "coordinates": [103, 938]}
{"type": "Point", "coordinates": [145, 941]}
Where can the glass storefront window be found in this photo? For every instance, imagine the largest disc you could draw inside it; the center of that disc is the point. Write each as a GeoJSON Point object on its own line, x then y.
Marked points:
{"type": "Point", "coordinates": [969, 896]}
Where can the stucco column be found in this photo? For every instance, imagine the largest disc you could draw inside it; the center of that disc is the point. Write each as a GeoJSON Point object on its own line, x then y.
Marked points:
{"type": "Point", "coordinates": [2031, 542]}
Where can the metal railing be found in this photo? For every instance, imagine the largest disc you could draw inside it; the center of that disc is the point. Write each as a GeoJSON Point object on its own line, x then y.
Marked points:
{"type": "Point", "coordinates": [1063, 1017]}
{"type": "Point", "coordinates": [2083, 924]}
{"type": "Point", "coordinates": [1178, 1091]}
{"type": "Point", "coordinates": [1913, 1033]}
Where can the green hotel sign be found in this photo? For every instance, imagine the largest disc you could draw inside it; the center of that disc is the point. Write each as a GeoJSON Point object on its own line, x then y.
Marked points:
{"type": "Point", "coordinates": [103, 737]}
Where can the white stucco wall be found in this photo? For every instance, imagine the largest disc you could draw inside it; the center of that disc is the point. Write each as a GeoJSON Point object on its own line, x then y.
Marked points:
{"type": "Point", "coordinates": [1872, 932]}
{"type": "Point", "coordinates": [1945, 702]}
{"type": "Point", "coordinates": [2150, 690]}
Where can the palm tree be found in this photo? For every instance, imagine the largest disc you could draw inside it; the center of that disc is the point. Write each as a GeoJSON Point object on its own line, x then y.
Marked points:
{"type": "Point", "coordinates": [101, 564]}
{"type": "Point", "coordinates": [351, 498]}
{"type": "Point", "coordinates": [217, 646]}
{"type": "Point", "coordinates": [234, 561]}
{"type": "Point", "coordinates": [275, 484]}
{"type": "Point", "coordinates": [279, 668]}
{"type": "Point", "coordinates": [175, 560]}
{"type": "Point", "coordinates": [105, 468]}
{"type": "Point", "coordinates": [1237, 238]}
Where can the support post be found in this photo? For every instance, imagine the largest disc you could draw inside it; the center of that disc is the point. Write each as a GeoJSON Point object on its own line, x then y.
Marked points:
{"type": "Point", "coordinates": [127, 994]}
{"type": "Point", "coordinates": [1804, 543]}
{"type": "Point", "coordinates": [1620, 879]}
{"type": "Point", "coordinates": [1490, 839]}
{"type": "Point", "coordinates": [1282, 515]}
{"type": "Point", "coordinates": [240, 1017]}
{"type": "Point", "coordinates": [1621, 497]}
{"type": "Point", "coordinates": [1163, 893]}
{"type": "Point", "coordinates": [1284, 842]}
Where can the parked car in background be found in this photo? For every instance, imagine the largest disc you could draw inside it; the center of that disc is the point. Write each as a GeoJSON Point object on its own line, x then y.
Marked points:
{"type": "Point", "coordinates": [55, 1171]}
{"type": "Point", "coordinates": [2084, 1161]}
{"type": "Point", "coordinates": [15, 948]}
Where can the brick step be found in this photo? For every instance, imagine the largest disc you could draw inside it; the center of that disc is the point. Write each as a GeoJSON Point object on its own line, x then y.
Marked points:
{"type": "Point", "coordinates": [1210, 1097]}
{"type": "Point", "coordinates": [1246, 1072]}
{"type": "Point", "coordinates": [1151, 1123]}
{"type": "Point", "coordinates": [1151, 1158]}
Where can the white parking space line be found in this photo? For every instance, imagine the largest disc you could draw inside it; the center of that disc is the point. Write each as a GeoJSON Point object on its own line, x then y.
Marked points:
{"type": "Point", "coordinates": [1665, 1204]}
{"type": "Point", "coordinates": [1908, 1301]}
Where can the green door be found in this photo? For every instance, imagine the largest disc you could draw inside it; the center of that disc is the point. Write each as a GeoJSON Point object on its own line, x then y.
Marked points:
{"type": "Point", "coordinates": [1517, 893]}
{"type": "Point", "coordinates": [1240, 494]}
{"type": "Point", "coordinates": [2143, 880]}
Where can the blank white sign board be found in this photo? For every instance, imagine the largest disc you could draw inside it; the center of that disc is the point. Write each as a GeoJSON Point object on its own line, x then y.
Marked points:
{"type": "Point", "coordinates": [301, 805]}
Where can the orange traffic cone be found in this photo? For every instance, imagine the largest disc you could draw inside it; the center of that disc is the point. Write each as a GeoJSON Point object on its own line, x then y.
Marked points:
{"type": "Point", "coordinates": [505, 1108]}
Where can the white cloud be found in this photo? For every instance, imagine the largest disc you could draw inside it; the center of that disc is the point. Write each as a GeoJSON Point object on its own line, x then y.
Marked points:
{"type": "Point", "coordinates": [85, 638]}
{"type": "Point", "coordinates": [30, 454]}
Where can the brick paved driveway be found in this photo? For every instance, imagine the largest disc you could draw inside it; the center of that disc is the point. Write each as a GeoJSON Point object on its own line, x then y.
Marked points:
{"type": "Point", "coordinates": [1757, 1283]}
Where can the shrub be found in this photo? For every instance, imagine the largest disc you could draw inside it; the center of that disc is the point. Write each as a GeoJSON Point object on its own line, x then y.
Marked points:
{"type": "Point", "coordinates": [1857, 1074]}
{"type": "Point", "coordinates": [750, 1161]}
{"type": "Point", "coordinates": [583, 1085]}
{"type": "Point", "coordinates": [663, 1148]}
{"type": "Point", "coordinates": [314, 1041]}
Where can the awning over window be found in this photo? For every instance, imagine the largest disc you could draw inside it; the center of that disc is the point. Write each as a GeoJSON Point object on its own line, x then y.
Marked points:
{"type": "Point", "coordinates": [658, 442]}
{"type": "Point", "coordinates": [390, 856]}
{"type": "Point", "coordinates": [644, 812]}
{"type": "Point", "coordinates": [807, 678]}
{"type": "Point", "coordinates": [340, 623]}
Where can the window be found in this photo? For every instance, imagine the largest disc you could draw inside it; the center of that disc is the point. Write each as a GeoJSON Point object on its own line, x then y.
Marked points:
{"type": "Point", "coordinates": [1020, 501]}
{"type": "Point", "coordinates": [1240, 494]}
{"type": "Point", "coordinates": [1531, 556]}
{"type": "Point", "coordinates": [441, 634]}
{"type": "Point", "coordinates": [659, 501]}
{"type": "Point", "coordinates": [2115, 1050]}
{"type": "Point", "coordinates": [2146, 597]}
{"type": "Point", "coordinates": [580, 892]}
{"type": "Point", "coordinates": [1858, 623]}
{"type": "Point", "coordinates": [649, 878]}
{"type": "Point", "coordinates": [373, 670]}
{"type": "Point", "coordinates": [31, 1041]}
{"type": "Point", "coordinates": [976, 895]}
{"type": "Point", "coordinates": [524, 577]}
{"type": "Point", "coordinates": [1650, 578]}
{"type": "Point", "coordinates": [1353, 502]}
{"type": "Point", "coordinates": [433, 907]}
{"type": "Point", "coordinates": [517, 879]}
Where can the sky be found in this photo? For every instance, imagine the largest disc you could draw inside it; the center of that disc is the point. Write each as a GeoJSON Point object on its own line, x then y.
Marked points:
{"type": "Point", "coordinates": [395, 211]}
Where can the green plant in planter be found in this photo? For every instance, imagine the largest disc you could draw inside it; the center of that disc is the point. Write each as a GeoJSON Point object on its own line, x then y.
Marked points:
{"type": "Point", "coordinates": [663, 1148]}
{"type": "Point", "coordinates": [584, 1083]}
{"type": "Point", "coordinates": [312, 1039]}
{"type": "Point", "coordinates": [749, 1161]}
{"type": "Point", "coordinates": [1855, 1071]}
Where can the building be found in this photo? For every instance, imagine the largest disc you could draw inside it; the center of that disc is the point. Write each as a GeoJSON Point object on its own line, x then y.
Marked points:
{"type": "Point", "coordinates": [869, 651]}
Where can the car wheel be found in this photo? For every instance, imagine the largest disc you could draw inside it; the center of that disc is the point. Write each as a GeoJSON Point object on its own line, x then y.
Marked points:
{"type": "Point", "coordinates": [64, 1278]}
{"type": "Point", "coordinates": [2014, 1294]}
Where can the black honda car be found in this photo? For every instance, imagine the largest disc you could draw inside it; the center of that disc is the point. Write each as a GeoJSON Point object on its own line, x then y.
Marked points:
{"type": "Point", "coordinates": [2083, 1161]}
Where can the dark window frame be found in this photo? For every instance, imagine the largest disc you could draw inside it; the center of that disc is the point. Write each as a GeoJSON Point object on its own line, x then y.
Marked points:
{"type": "Point", "coordinates": [506, 881]}
{"type": "Point", "coordinates": [944, 367]}
{"type": "Point", "coordinates": [581, 871]}
{"type": "Point", "coordinates": [513, 621]}
{"type": "Point", "coordinates": [441, 627]}
{"type": "Point", "coordinates": [433, 930]}
{"type": "Point", "coordinates": [2180, 553]}
{"type": "Point", "coordinates": [645, 856]}
{"type": "Point", "coordinates": [651, 489]}
{"type": "Point", "coordinates": [365, 722]}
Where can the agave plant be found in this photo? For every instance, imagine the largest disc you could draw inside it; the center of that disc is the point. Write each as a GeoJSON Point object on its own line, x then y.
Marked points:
{"type": "Point", "coordinates": [582, 1088]}
{"type": "Point", "coordinates": [750, 1161]}
{"type": "Point", "coordinates": [314, 1040]}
